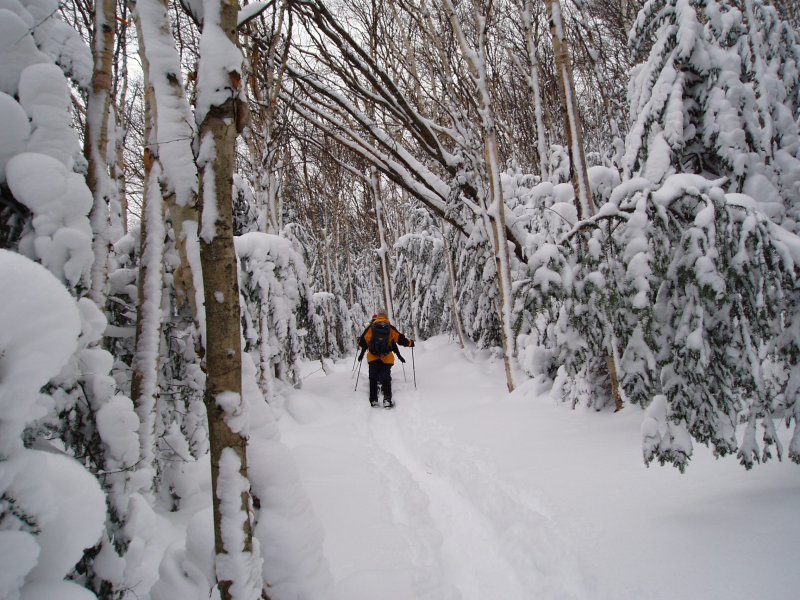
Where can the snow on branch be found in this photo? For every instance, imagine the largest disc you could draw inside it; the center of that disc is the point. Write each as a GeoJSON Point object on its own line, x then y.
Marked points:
{"type": "Point", "coordinates": [252, 11]}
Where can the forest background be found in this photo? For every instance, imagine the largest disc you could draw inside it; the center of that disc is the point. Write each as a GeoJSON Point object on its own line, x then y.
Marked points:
{"type": "Point", "coordinates": [606, 193]}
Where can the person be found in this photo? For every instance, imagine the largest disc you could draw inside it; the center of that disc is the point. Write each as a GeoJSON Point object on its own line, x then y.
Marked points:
{"type": "Point", "coordinates": [379, 341]}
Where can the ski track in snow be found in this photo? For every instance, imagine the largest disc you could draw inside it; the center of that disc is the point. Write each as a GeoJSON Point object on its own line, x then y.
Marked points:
{"type": "Point", "coordinates": [468, 536]}
{"type": "Point", "coordinates": [470, 552]}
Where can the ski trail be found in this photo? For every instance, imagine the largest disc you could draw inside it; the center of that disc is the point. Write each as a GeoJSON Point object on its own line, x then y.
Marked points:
{"type": "Point", "coordinates": [437, 522]}
{"type": "Point", "coordinates": [528, 540]}
{"type": "Point", "coordinates": [498, 541]}
{"type": "Point", "coordinates": [470, 554]}
{"type": "Point", "coordinates": [410, 509]}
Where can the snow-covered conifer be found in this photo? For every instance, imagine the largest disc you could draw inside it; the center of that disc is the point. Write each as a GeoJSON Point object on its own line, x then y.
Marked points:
{"type": "Point", "coordinates": [273, 287]}
{"type": "Point", "coordinates": [423, 292]}
{"type": "Point", "coordinates": [716, 93]}
{"type": "Point", "coordinates": [52, 508]}
{"type": "Point", "coordinates": [709, 283]}
{"type": "Point", "coordinates": [88, 415]}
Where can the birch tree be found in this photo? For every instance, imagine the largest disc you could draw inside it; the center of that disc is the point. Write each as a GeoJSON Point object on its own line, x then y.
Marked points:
{"type": "Point", "coordinates": [493, 202]}
{"type": "Point", "coordinates": [584, 203]}
{"type": "Point", "coordinates": [383, 247]}
{"type": "Point", "coordinates": [268, 39]}
{"type": "Point", "coordinates": [220, 115]}
{"type": "Point", "coordinates": [96, 141]}
{"type": "Point", "coordinates": [144, 387]}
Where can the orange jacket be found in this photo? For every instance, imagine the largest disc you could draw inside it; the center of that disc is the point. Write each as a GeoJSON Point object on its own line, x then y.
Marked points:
{"type": "Point", "coordinates": [395, 338]}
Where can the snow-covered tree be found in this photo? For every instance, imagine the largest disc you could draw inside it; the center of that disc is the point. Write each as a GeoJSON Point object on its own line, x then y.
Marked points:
{"type": "Point", "coordinates": [423, 284]}
{"type": "Point", "coordinates": [724, 292]}
{"type": "Point", "coordinates": [99, 125]}
{"type": "Point", "coordinates": [220, 115]}
{"type": "Point", "coordinates": [274, 290]}
{"type": "Point", "coordinates": [89, 417]}
{"type": "Point", "coordinates": [716, 93]}
{"type": "Point", "coordinates": [51, 507]}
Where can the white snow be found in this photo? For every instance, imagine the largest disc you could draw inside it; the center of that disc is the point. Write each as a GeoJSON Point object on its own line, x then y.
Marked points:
{"type": "Point", "coordinates": [208, 218]}
{"type": "Point", "coordinates": [39, 327]}
{"type": "Point", "coordinates": [464, 491]}
{"type": "Point", "coordinates": [59, 508]}
{"type": "Point", "coordinates": [235, 411]}
{"type": "Point", "coordinates": [220, 59]}
{"type": "Point", "coordinates": [118, 426]}
{"type": "Point", "coordinates": [16, 131]}
{"type": "Point", "coordinates": [63, 590]}
{"type": "Point", "coordinates": [45, 96]}
{"type": "Point", "coordinates": [237, 565]}
{"type": "Point", "coordinates": [461, 492]}
{"type": "Point", "coordinates": [174, 118]}
{"type": "Point", "coordinates": [250, 11]}
{"type": "Point", "coordinates": [16, 47]}
{"type": "Point", "coordinates": [60, 203]}
{"type": "Point", "coordinates": [70, 511]}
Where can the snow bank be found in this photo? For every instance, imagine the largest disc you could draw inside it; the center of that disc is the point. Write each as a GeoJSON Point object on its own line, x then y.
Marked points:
{"type": "Point", "coordinates": [187, 569]}
{"type": "Point", "coordinates": [289, 533]}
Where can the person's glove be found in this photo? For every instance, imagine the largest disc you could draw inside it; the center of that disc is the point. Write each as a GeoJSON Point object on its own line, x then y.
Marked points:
{"type": "Point", "coordinates": [361, 356]}
{"type": "Point", "coordinates": [410, 343]}
{"type": "Point", "coordinates": [402, 360]}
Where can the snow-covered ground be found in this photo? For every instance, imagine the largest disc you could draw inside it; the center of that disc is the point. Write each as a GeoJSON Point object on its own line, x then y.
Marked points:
{"type": "Point", "coordinates": [465, 492]}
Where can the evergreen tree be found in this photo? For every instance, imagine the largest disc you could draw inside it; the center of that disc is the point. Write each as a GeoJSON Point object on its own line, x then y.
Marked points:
{"type": "Point", "coordinates": [423, 295]}
{"type": "Point", "coordinates": [716, 93]}
{"type": "Point", "coordinates": [723, 292]}
{"type": "Point", "coordinates": [274, 290]}
{"type": "Point", "coordinates": [88, 414]}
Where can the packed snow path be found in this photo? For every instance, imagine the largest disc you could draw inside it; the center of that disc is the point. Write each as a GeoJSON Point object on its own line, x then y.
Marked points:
{"type": "Point", "coordinates": [459, 493]}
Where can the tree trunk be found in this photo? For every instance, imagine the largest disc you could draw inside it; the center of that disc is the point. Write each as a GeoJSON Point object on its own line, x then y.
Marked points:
{"type": "Point", "coordinates": [383, 250]}
{"type": "Point", "coordinates": [412, 295]}
{"type": "Point", "coordinates": [177, 169]}
{"type": "Point", "coordinates": [219, 113]}
{"type": "Point", "coordinates": [223, 341]}
{"type": "Point", "coordinates": [493, 204]}
{"type": "Point", "coordinates": [495, 210]}
{"type": "Point", "coordinates": [96, 143]}
{"type": "Point", "coordinates": [122, 193]}
{"type": "Point", "coordinates": [266, 81]}
{"type": "Point", "coordinates": [144, 376]}
{"type": "Point", "coordinates": [536, 91]}
{"type": "Point", "coordinates": [451, 278]}
{"type": "Point", "coordinates": [580, 172]}
{"type": "Point", "coordinates": [569, 109]}
{"type": "Point", "coordinates": [121, 125]}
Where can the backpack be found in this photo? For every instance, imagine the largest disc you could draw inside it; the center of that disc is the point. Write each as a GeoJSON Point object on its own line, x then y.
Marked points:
{"type": "Point", "coordinates": [379, 344]}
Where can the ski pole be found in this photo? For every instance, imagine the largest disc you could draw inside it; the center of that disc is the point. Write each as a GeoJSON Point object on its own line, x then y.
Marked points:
{"type": "Point", "coordinates": [413, 366]}
{"type": "Point", "coordinates": [358, 375]}
{"type": "Point", "coordinates": [355, 356]}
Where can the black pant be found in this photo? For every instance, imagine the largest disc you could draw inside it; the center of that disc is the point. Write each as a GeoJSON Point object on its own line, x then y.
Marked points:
{"type": "Point", "coordinates": [380, 372]}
